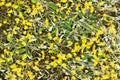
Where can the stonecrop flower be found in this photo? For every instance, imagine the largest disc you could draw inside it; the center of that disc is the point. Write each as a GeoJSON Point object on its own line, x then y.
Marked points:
{"type": "Point", "coordinates": [64, 1]}
{"type": "Point", "coordinates": [59, 40]}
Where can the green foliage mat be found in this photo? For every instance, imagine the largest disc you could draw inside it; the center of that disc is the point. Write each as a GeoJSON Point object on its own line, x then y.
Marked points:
{"type": "Point", "coordinates": [59, 40]}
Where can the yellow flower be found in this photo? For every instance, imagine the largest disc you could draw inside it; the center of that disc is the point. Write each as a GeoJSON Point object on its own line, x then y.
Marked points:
{"type": "Point", "coordinates": [14, 30]}
{"type": "Point", "coordinates": [112, 29]}
{"type": "Point", "coordinates": [5, 21]}
{"type": "Point", "coordinates": [2, 3]}
{"type": "Point", "coordinates": [65, 78]}
{"type": "Point", "coordinates": [96, 78]}
{"type": "Point", "coordinates": [40, 32]}
{"type": "Point", "coordinates": [104, 67]}
{"type": "Point", "coordinates": [29, 23]}
{"type": "Point", "coordinates": [40, 8]}
{"type": "Point", "coordinates": [73, 78]}
{"type": "Point", "coordinates": [21, 2]}
{"type": "Point", "coordinates": [68, 11]}
{"type": "Point", "coordinates": [48, 67]}
{"type": "Point", "coordinates": [63, 1]}
{"type": "Point", "coordinates": [20, 15]}
{"type": "Point", "coordinates": [1, 61]}
{"type": "Point", "coordinates": [102, 43]}
{"type": "Point", "coordinates": [59, 40]}
{"type": "Point", "coordinates": [31, 75]}
{"type": "Point", "coordinates": [90, 3]}
{"type": "Point", "coordinates": [25, 27]}
{"type": "Point", "coordinates": [84, 78]}
{"type": "Point", "coordinates": [8, 4]}
{"type": "Point", "coordinates": [73, 72]}
{"type": "Point", "coordinates": [13, 66]}
{"type": "Point", "coordinates": [28, 10]}
{"type": "Point", "coordinates": [64, 57]}
{"type": "Point", "coordinates": [36, 63]}
{"type": "Point", "coordinates": [17, 20]}
{"type": "Point", "coordinates": [97, 72]}
{"type": "Point", "coordinates": [9, 35]}
{"type": "Point", "coordinates": [77, 7]}
{"type": "Point", "coordinates": [18, 71]}
{"type": "Point", "coordinates": [30, 63]}
{"type": "Point", "coordinates": [55, 38]}
{"type": "Point", "coordinates": [52, 57]}
{"type": "Point", "coordinates": [91, 9]}
{"type": "Point", "coordinates": [54, 64]}
{"type": "Point", "coordinates": [112, 63]}
{"type": "Point", "coordinates": [46, 62]}
{"type": "Point", "coordinates": [83, 10]}
{"type": "Point", "coordinates": [96, 59]}
{"type": "Point", "coordinates": [84, 40]}
{"type": "Point", "coordinates": [12, 77]}
{"type": "Point", "coordinates": [0, 24]}
{"type": "Point", "coordinates": [6, 51]}
{"type": "Point", "coordinates": [77, 58]}
{"type": "Point", "coordinates": [22, 63]}
{"type": "Point", "coordinates": [15, 6]}
{"type": "Point", "coordinates": [69, 55]}
{"type": "Point", "coordinates": [9, 59]}
{"type": "Point", "coordinates": [54, 19]}
{"type": "Point", "coordinates": [100, 53]}
{"type": "Point", "coordinates": [38, 3]}
{"type": "Point", "coordinates": [47, 22]}
{"type": "Point", "coordinates": [100, 3]}
{"type": "Point", "coordinates": [24, 32]}
{"type": "Point", "coordinates": [114, 76]}
{"type": "Point", "coordinates": [34, 11]}
{"type": "Point", "coordinates": [51, 46]}
{"type": "Point", "coordinates": [43, 54]}
{"type": "Point", "coordinates": [105, 76]}
{"type": "Point", "coordinates": [24, 56]}
{"type": "Point", "coordinates": [24, 43]}
{"type": "Point", "coordinates": [28, 36]}
{"type": "Point", "coordinates": [49, 35]}
{"type": "Point", "coordinates": [69, 42]}
{"type": "Point", "coordinates": [63, 65]}
{"type": "Point", "coordinates": [58, 4]}
{"type": "Point", "coordinates": [115, 9]}
{"type": "Point", "coordinates": [2, 56]}
{"type": "Point", "coordinates": [86, 4]}
{"type": "Point", "coordinates": [74, 54]}
{"type": "Point", "coordinates": [76, 48]}
{"type": "Point", "coordinates": [109, 49]}
{"type": "Point", "coordinates": [36, 68]}
{"type": "Point", "coordinates": [24, 22]}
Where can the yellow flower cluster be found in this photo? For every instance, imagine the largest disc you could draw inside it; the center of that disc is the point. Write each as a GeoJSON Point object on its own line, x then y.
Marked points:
{"type": "Point", "coordinates": [58, 39]}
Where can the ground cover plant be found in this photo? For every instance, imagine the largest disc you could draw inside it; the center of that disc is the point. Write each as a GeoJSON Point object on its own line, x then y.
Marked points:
{"type": "Point", "coordinates": [59, 40]}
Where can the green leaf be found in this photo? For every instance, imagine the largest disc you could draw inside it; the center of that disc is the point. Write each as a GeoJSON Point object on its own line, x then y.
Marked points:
{"type": "Point", "coordinates": [55, 52]}
{"type": "Point", "coordinates": [52, 6]}
{"type": "Point", "coordinates": [84, 33]}
{"type": "Point", "coordinates": [22, 50]}
{"type": "Point", "coordinates": [40, 30]}
{"type": "Point", "coordinates": [19, 45]}
{"type": "Point", "coordinates": [80, 15]}
{"type": "Point", "coordinates": [88, 57]}
{"type": "Point", "coordinates": [10, 39]}
{"type": "Point", "coordinates": [68, 25]}
{"type": "Point", "coordinates": [91, 16]}
{"type": "Point", "coordinates": [67, 33]}
{"type": "Point", "coordinates": [34, 1]}
{"type": "Point", "coordinates": [86, 26]}
{"type": "Point", "coordinates": [57, 32]}
{"type": "Point", "coordinates": [29, 54]}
